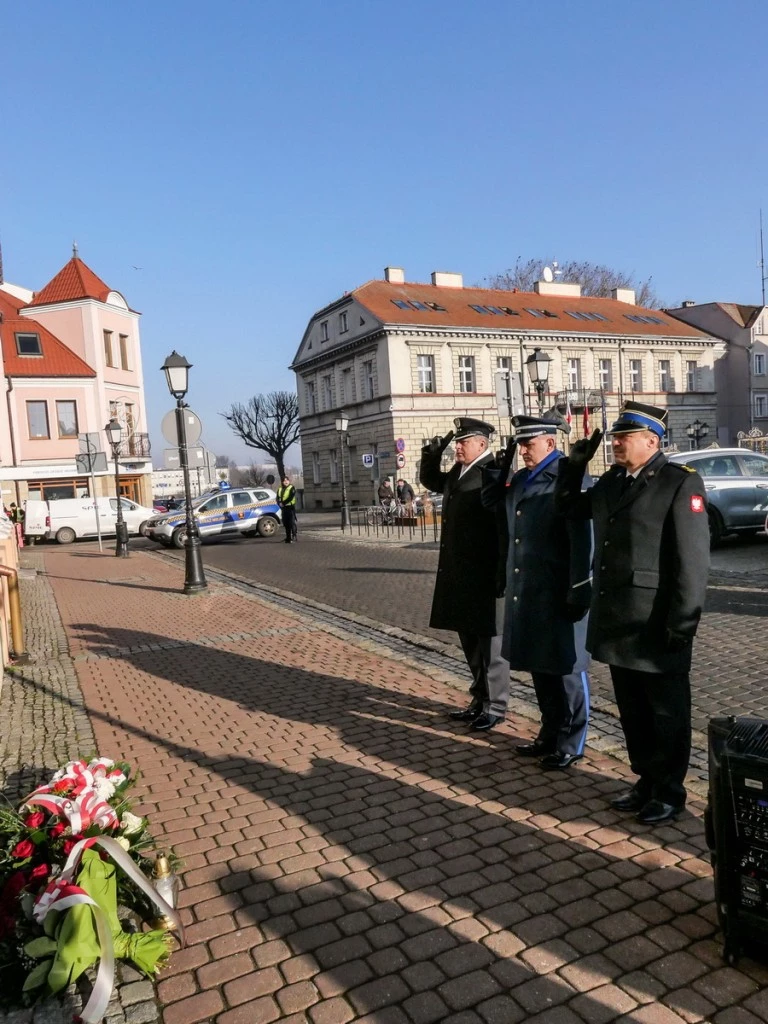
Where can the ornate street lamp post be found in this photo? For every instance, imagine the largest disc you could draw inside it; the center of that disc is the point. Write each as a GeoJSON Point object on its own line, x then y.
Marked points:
{"type": "Point", "coordinates": [114, 433]}
{"type": "Point", "coordinates": [697, 431]}
{"type": "Point", "coordinates": [538, 370]}
{"type": "Point", "coordinates": [177, 370]}
{"type": "Point", "coordinates": [342, 425]}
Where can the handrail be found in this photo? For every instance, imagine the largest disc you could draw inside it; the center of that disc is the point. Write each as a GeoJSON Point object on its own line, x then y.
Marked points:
{"type": "Point", "coordinates": [19, 654]}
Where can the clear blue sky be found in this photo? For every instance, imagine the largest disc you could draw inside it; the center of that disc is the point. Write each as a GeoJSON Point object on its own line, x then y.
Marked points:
{"type": "Point", "coordinates": [257, 160]}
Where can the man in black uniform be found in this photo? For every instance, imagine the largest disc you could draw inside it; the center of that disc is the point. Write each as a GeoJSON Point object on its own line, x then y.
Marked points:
{"type": "Point", "coordinates": [650, 577]}
{"type": "Point", "coordinates": [468, 594]}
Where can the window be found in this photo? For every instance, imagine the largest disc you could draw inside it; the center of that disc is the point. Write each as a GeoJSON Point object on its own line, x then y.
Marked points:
{"type": "Point", "coordinates": [311, 398]}
{"type": "Point", "coordinates": [37, 420]}
{"type": "Point", "coordinates": [535, 312]}
{"type": "Point", "coordinates": [436, 307]}
{"type": "Point", "coordinates": [66, 417]}
{"type": "Point", "coordinates": [109, 358]}
{"type": "Point", "coordinates": [605, 367]}
{"type": "Point", "coordinates": [343, 323]}
{"type": "Point", "coordinates": [759, 361]}
{"type": "Point", "coordinates": [316, 467]}
{"type": "Point", "coordinates": [478, 309]}
{"type": "Point", "coordinates": [124, 351]}
{"type": "Point", "coordinates": [425, 368]}
{"type": "Point", "coordinates": [368, 379]}
{"type": "Point", "coordinates": [508, 311]}
{"type": "Point", "coordinates": [754, 465]}
{"type": "Point", "coordinates": [717, 465]}
{"type": "Point", "coordinates": [327, 392]}
{"type": "Point", "coordinates": [419, 305]}
{"type": "Point", "coordinates": [665, 375]}
{"type": "Point", "coordinates": [635, 375]}
{"type": "Point", "coordinates": [346, 385]}
{"type": "Point", "coordinates": [574, 374]}
{"type": "Point", "coordinates": [28, 345]}
{"type": "Point", "coordinates": [691, 374]}
{"type": "Point", "coordinates": [213, 504]}
{"type": "Point", "coordinates": [130, 418]}
{"type": "Point", "coordinates": [503, 363]}
{"type": "Point", "coordinates": [466, 374]}
{"type": "Point", "coordinates": [401, 303]}
{"type": "Point", "coordinates": [760, 406]}
{"type": "Point", "coordinates": [323, 330]}
{"type": "Point", "coordinates": [241, 498]}
{"type": "Point", "coordinates": [496, 310]}
{"type": "Point", "coordinates": [334, 465]}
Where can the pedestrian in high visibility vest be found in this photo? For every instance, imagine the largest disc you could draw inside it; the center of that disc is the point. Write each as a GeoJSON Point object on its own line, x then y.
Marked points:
{"type": "Point", "coordinates": [17, 518]}
{"type": "Point", "coordinates": [286, 499]}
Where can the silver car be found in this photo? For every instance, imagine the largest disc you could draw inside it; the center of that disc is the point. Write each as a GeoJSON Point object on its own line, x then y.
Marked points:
{"type": "Point", "coordinates": [736, 481]}
{"type": "Point", "coordinates": [245, 511]}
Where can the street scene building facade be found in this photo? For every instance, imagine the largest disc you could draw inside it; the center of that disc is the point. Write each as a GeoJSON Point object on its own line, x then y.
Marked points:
{"type": "Point", "coordinates": [71, 356]}
{"type": "Point", "coordinates": [403, 359]}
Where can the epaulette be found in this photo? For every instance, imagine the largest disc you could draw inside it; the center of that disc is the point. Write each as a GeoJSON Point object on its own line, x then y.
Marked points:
{"type": "Point", "coordinates": [682, 466]}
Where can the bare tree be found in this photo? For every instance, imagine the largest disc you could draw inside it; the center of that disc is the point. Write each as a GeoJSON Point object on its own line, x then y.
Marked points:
{"type": "Point", "coordinates": [595, 279]}
{"type": "Point", "coordinates": [269, 423]}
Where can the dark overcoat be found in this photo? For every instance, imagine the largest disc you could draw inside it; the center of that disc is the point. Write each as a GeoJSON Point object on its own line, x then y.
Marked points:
{"type": "Point", "coordinates": [548, 569]}
{"type": "Point", "coordinates": [465, 589]}
{"type": "Point", "coordinates": [650, 566]}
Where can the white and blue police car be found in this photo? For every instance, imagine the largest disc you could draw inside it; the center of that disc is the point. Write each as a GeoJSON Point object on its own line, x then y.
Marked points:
{"type": "Point", "coordinates": [226, 510]}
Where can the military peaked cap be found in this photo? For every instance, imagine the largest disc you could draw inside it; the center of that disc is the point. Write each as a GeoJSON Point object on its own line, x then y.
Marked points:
{"type": "Point", "coordinates": [528, 427]}
{"type": "Point", "coordinates": [635, 416]}
{"type": "Point", "coordinates": [467, 427]}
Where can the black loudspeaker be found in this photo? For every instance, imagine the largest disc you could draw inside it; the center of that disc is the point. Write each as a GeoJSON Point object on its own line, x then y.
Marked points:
{"type": "Point", "coordinates": [736, 822]}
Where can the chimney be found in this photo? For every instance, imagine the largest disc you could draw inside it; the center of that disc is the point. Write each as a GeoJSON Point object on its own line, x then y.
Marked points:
{"type": "Point", "coordinates": [395, 275]}
{"type": "Point", "coordinates": [444, 279]}
{"type": "Point", "coordinates": [687, 303]}
{"type": "Point", "coordinates": [573, 290]}
{"type": "Point", "coordinates": [624, 295]}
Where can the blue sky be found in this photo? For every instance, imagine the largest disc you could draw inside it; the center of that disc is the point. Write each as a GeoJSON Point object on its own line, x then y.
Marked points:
{"type": "Point", "coordinates": [257, 160]}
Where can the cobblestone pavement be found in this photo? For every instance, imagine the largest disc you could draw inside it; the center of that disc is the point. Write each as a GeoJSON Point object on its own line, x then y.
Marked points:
{"type": "Point", "coordinates": [350, 854]}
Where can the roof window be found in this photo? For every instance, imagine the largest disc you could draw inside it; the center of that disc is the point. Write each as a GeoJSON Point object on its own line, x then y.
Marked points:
{"type": "Point", "coordinates": [478, 309]}
{"type": "Point", "coordinates": [496, 310]}
{"type": "Point", "coordinates": [419, 305]}
{"type": "Point", "coordinates": [509, 312]}
{"type": "Point", "coordinates": [437, 307]}
{"type": "Point", "coordinates": [401, 303]}
{"type": "Point", "coordinates": [28, 345]}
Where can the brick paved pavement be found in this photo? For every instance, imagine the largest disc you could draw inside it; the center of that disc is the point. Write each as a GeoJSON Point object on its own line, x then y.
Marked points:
{"type": "Point", "coordinates": [352, 856]}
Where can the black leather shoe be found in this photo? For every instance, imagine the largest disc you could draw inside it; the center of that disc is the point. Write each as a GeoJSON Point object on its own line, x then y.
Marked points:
{"type": "Point", "coordinates": [484, 723]}
{"type": "Point", "coordinates": [558, 762]}
{"type": "Point", "coordinates": [535, 749]}
{"type": "Point", "coordinates": [468, 714]}
{"type": "Point", "coordinates": [656, 811]}
{"type": "Point", "coordinates": [629, 801]}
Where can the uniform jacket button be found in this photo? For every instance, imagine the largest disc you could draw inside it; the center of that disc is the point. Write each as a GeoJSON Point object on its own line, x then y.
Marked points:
{"type": "Point", "coordinates": [517, 570]}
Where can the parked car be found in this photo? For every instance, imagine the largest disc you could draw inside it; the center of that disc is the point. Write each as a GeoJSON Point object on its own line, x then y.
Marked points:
{"type": "Point", "coordinates": [736, 482]}
{"type": "Point", "coordinates": [66, 519]}
{"type": "Point", "coordinates": [241, 511]}
{"type": "Point", "coordinates": [166, 504]}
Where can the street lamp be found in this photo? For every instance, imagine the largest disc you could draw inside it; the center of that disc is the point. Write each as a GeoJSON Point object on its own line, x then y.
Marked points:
{"type": "Point", "coordinates": [114, 433]}
{"type": "Point", "coordinates": [697, 431]}
{"type": "Point", "coordinates": [177, 370]}
{"type": "Point", "coordinates": [342, 424]}
{"type": "Point", "coordinates": [538, 370]}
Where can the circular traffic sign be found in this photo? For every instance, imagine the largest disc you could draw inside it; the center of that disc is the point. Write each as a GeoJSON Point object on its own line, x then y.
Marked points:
{"type": "Point", "coordinates": [400, 460]}
{"type": "Point", "coordinates": [400, 444]}
{"type": "Point", "coordinates": [194, 427]}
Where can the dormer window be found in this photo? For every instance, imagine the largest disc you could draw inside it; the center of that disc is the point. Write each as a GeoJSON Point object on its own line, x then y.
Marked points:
{"type": "Point", "coordinates": [323, 330]}
{"type": "Point", "coordinates": [28, 345]}
{"type": "Point", "coordinates": [343, 323]}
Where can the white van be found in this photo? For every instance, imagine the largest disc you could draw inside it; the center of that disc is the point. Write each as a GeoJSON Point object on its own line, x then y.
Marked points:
{"type": "Point", "coordinates": [66, 519]}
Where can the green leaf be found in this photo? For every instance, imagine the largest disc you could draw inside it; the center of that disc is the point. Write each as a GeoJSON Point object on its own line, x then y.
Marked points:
{"type": "Point", "coordinates": [42, 946]}
{"type": "Point", "coordinates": [38, 976]}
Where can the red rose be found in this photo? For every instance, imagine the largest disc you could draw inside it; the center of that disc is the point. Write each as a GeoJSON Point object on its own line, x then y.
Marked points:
{"type": "Point", "coordinates": [70, 843]}
{"type": "Point", "coordinates": [57, 830]}
{"type": "Point", "coordinates": [62, 786]}
{"type": "Point", "coordinates": [39, 873]}
{"type": "Point", "coordinates": [34, 820]}
{"type": "Point", "coordinates": [23, 849]}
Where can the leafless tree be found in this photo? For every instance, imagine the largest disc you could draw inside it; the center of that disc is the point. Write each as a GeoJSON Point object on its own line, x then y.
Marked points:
{"type": "Point", "coordinates": [595, 279]}
{"type": "Point", "coordinates": [269, 423]}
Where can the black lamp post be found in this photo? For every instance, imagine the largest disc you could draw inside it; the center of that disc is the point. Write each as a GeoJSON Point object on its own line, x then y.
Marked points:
{"type": "Point", "coordinates": [697, 431]}
{"type": "Point", "coordinates": [342, 424]}
{"type": "Point", "coordinates": [538, 370]}
{"type": "Point", "coordinates": [114, 433]}
{"type": "Point", "coordinates": [177, 376]}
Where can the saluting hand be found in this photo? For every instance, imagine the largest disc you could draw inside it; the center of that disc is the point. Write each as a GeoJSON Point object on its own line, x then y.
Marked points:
{"type": "Point", "coordinates": [438, 444]}
{"type": "Point", "coordinates": [582, 450]}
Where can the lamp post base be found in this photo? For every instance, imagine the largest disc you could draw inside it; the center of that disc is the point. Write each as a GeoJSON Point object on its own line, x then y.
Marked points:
{"type": "Point", "coordinates": [121, 545]}
{"type": "Point", "coordinates": [194, 576]}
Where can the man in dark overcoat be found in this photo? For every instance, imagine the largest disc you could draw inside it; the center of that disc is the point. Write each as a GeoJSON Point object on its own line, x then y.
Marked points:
{"type": "Point", "coordinates": [465, 597]}
{"type": "Point", "coordinates": [650, 578]}
{"type": "Point", "coordinates": [548, 589]}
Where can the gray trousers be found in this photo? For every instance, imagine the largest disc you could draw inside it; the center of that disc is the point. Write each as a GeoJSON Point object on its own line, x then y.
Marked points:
{"type": "Point", "coordinates": [564, 705]}
{"type": "Point", "coordinates": [490, 672]}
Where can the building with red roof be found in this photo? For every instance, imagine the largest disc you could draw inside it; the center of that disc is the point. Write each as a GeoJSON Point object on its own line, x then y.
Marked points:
{"type": "Point", "coordinates": [403, 359]}
{"type": "Point", "coordinates": [71, 358]}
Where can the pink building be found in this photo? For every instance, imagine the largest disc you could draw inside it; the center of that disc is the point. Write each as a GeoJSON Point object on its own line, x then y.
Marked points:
{"type": "Point", "coordinates": [71, 359]}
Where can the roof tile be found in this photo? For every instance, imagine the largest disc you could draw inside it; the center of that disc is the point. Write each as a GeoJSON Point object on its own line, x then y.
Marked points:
{"type": "Point", "coordinates": [56, 361]}
{"type": "Point", "coordinates": [75, 280]}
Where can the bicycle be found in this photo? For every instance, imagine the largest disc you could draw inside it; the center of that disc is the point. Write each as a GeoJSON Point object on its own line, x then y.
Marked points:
{"type": "Point", "coordinates": [385, 515]}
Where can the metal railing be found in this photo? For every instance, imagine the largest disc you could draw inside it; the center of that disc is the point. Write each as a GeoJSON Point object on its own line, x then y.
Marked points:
{"type": "Point", "coordinates": [135, 446]}
{"type": "Point", "coordinates": [422, 523]}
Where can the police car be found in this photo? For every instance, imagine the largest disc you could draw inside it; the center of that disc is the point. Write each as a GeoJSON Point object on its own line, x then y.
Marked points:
{"type": "Point", "coordinates": [247, 511]}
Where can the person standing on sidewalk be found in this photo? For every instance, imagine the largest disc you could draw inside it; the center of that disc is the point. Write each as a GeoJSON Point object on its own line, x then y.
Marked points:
{"type": "Point", "coordinates": [17, 518]}
{"type": "Point", "coordinates": [286, 499]}
{"type": "Point", "coordinates": [650, 581]}
{"type": "Point", "coordinates": [548, 589]}
{"type": "Point", "coordinates": [405, 495]}
{"type": "Point", "coordinates": [468, 596]}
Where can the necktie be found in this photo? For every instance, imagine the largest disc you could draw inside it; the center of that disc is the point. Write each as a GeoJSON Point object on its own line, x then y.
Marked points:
{"type": "Point", "coordinates": [627, 483]}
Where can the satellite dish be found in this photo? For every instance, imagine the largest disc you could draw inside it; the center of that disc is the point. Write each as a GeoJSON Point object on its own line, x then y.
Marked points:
{"type": "Point", "coordinates": [547, 275]}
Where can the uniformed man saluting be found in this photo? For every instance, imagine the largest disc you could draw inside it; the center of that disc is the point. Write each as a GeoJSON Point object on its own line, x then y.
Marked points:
{"type": "Point", "coordinates": [650, 578]}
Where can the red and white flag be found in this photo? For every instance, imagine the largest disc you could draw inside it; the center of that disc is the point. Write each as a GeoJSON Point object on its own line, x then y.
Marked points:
{"type": "Point", "coordinates": [568, 416]}
{"type": "Point", "coordinates": [587, 428]}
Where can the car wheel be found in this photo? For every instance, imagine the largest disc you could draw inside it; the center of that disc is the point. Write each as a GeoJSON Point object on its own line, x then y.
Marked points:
{"type": "Point", "coordinates": [716, 527]}
{"type": "Point", "coordinates": [267, 526]}
{"type": "Point", "coordinates": [65, 535]}
{"type": "Point", "coordinates": [179, 537]}
{"type": "Point", "coordinates": [143, 528]}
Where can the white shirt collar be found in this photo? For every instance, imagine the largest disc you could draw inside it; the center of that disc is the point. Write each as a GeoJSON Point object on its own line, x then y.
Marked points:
{"type": "Point", "coordinates": [466, 467]}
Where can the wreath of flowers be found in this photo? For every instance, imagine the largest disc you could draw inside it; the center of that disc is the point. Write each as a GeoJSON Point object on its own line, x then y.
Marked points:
{"type": "Point", "coordinates": [75, 888]}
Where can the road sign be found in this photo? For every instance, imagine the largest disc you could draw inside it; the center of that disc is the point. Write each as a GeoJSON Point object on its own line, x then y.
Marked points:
{"type": "Point", "coordinates": [95, 462]}
{"type": "Point", "coordinates": [510, 400]}
{"type": "Point", "coordinates": [385, 455]}
{"type": "Point", "coordinates": [194, 427]}
{"type": "Point", "coordinates": [400, 444]}
{"type": "Point", "coordinates": [368, 461]}
{"type": "Point", "coordinates": [400, 460]}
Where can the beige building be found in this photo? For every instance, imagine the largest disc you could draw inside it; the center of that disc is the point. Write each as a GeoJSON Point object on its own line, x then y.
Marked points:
{"type": "Point", "coordinates": [403, 359]}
